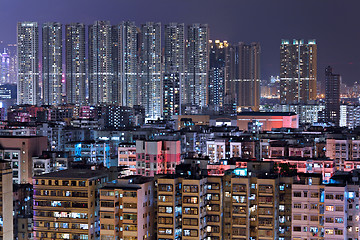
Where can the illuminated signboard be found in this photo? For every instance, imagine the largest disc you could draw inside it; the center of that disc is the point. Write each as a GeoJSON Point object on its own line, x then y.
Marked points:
{"type": "Point", "coordinates": [240, 172]}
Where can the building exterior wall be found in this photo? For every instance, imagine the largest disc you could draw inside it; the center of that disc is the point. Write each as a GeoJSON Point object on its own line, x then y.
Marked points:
{"type": "Point", "coordinates": [67, 207]}
{"type": "Point", "coordinates": [75, 63]}
{"type": "Point", "coordinates": [306, 210]}
{"type": "Point", "coordinates": [150, 70]}
{"type": "Point", "coordinates": [268, 122]}
{"type": "Point", "coordinates": [28, 91]}
{"type": "Point", "coordinates": [127, 158]}
{"type": "Point", "coordinates": [196, 120]}
{"type": "Point", "coordinates": [52, 68]}
{"type": "Point", "coordinates": [197, 65]}
{"type": "Point", "coordinates": [216, 150]}
{"type": "Point", "coordinates": [101, 74]}
{"type": "Point", "coordinates": [157, 157]}
{"type": "Point", "coordinates": [21, 150]}
{"type": "Point", "coordinates": [298, 71]}
{"type": "Point", "coordinates": [127, 212]}
{"type": "Point", "coordinates": [6, 207]}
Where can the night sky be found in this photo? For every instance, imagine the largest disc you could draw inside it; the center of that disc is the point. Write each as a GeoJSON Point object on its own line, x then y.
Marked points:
{"type": "Point", "coordinates": [335, 24]}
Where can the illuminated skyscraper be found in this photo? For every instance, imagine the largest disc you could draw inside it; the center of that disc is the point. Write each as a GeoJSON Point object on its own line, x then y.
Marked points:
{"type": "Point", "coordinates": [197, 65]}
{"type": "Point", "coordinates": [332, 96]}
{"type": "Point", "coordinates": [8, 65]}
{"type": "Point", "coordinates": [125, 56]}
{"type": "Point", "coordinates": [218, 72]}
{"type": "Point", "coordinates": [151, 92]}
{"type": "Point", "coordinates": [174, 55]}
{"type": "Point", "coordinates": [174, 59]}
{"type": "Point", "coordinates": [52, 63]}
{"type": "Point", "coordinates": [11, 49]}
{"type": "Point", "coordinates": [101, 75]}
{"type": "Point", "coordinates": [75, 63]}
{"type": "Point", "coordinates": [4, 67]}
{"type": "Point", "coordinates": [298, 71]}
{"type": "Point", "coordinates": [171, 95]}
{"type": "Point", "coordinates": [28, 63]}
{"type": "Point", "coordinates": [247, 85]}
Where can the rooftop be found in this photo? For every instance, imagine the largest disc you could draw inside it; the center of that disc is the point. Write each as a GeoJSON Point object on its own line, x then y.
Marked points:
{"type": "Point", "coordinates": [74, 174]}
{"type": "Point", "coordinates": [22, 137]}
{"type": "Point", "coordinates": [266, 114]}
{"type": "Point", "coordinates": [128, 183]}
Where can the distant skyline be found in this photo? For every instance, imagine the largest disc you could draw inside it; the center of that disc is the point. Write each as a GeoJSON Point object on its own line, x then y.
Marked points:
{"type": "Point", "coordinates": [333, 23]}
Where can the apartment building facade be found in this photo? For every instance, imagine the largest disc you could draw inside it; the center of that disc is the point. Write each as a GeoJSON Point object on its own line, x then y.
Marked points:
{"type": "Point", "coordinates": [66, 204]}
{"type": "Point", "coordinates": [157, 157]}
{"type": "Point", "coordinates": [127, 158]}
{"type": "Point", "coordinates": [6, 200]}
{"type": "Point", "coordinates": [227, 207]}
{"type": "Point", "coordinates": [127, 209]}
{"type": "Point", "coordinates": [342, 149]}
{"type": "Point", "coordinates": [20, 150]}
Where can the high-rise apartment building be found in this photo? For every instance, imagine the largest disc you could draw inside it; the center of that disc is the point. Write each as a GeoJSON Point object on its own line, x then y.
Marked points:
{"type": "Point", "coordinates": [116, 116]}
{"type": "Point", "coordinates": [174, 55]}
{"type": "Point", "coordinates": [75, 63]}
{"type": "Point", "coordinates": [218, 72]}
{"type": "Point", "coordinates": [247, 84]}
{"type": "Point", "coordinates": [66, 204]}
{"type": "Point", "coordinates": [298, 71]}
{"type": "Point", "coordinates": [6, 200]}
{"type": "Point", "coordinates": [52, 63]}
{"type": "Point", "coordinates": [150, 69]}
{"type": "Point", "coordinates": [197, 65]}
{"type": "Point", "coordinates": [332, 96]}
{"type": "Point", "coordinates": [4, 67]}
{"type": "Point", "coordinates": [101, 75]}
{"type": "Point", "coordinates": [233, 74]}
{"type": "Point", "coordinates": [28, 63]}
{"type": "Point", "coordinates": [174, 72]}
{"type": "Point", "coordinates": [12, 49]}
{"type": "Point", "coordinates": [11, 52]}
{"type": "Point", "coordinates": [171, 95]}
{"type": "Point", "coordinates": [125, 57]}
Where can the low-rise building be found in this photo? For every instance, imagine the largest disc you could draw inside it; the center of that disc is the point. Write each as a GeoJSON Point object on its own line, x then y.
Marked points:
{"type": "Point", "coordinates": [268, 120]}
{"type": "Point", "coordinates": [90, 152]}
{"type": "Point", "coordinates": [50, 162]}
{"type": "Point", "coordinates": [127, 158]}
{"type": "Point", "coordinates": [342, 149]}
{"type": "Point", "coordinates": [218, 149]}
{"type": "Point", "coordinates": [20, 151]}
{"type": "Point", "coordinates": [157, 157]}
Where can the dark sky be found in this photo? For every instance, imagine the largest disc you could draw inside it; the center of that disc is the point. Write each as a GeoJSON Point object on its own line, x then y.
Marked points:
{"type": "Point", "coordinates": [335, 24]}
